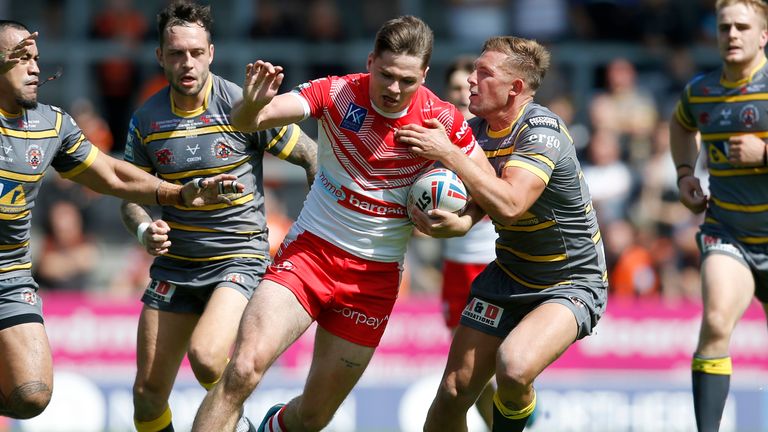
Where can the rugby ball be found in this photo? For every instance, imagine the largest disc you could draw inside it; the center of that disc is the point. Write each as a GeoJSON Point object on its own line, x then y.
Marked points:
{"type": "Point", "coordinates": [438, 188]}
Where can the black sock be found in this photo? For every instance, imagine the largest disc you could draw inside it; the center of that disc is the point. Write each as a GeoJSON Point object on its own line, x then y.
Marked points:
{"type": "Point", "coordinates": [513, 421]}
{"type": "Point", "coordinates": [711, 380]}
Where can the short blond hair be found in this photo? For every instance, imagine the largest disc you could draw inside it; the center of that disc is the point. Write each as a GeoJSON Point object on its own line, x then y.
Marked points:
{"type": "Point", "coordinates": [525, 56]}
{"type": "Point", "coordinates": [759, 6]}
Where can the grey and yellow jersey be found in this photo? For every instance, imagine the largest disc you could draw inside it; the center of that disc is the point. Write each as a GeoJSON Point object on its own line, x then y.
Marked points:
{"type": "Point", "coordinates": [30, 142]}
{"type": "Point", "coordinates": [719, 109]}
{"type": "Point", "coordinates": [557, 241]}
{"type": "Point", "coordinates": [178, 146]}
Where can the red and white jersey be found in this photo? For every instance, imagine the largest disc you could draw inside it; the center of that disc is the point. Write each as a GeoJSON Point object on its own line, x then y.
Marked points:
{"type": "Point", "coordinates": [358, 199]}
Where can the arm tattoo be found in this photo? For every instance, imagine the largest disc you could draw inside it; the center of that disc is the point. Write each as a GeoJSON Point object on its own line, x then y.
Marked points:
{"type": "Point", "coordinates": [304, 154]}
{"type": "Point", "coordinates": [133, 214]}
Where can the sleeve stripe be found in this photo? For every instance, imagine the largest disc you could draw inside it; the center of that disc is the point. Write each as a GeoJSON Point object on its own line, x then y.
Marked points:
{"type": "Point", "coordinates": [84, 165]}
{"type": "Point", "coordinates": [542, 158]}
{"type": "Point", "coordinates": [286, 151]}
{"type": "Point", "coordinates": [77, 144]}
{"type": "Point", "coordinates": [528, 167]}
{"type": "Point", "coordinates": [59, 117]}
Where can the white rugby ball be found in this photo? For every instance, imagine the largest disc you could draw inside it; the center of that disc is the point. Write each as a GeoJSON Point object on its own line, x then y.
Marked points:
{"type": "Point", "coordinates": [438, 188]}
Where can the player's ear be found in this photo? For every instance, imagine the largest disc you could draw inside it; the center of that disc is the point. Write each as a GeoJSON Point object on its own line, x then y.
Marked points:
{"type": "Point", "coordinates": [424, 75]}
{"type": "Point", "coordinates": [210, 60]}
{"type": "Point", "coordinates": [369, 62]}
{"type": "Point", "coordinates": [517, 86]}
{"type": "Point", "coordinates": [159, 55]}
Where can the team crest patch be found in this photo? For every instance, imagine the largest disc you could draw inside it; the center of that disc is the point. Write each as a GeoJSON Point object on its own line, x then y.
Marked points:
{"type": "Point", "coordinates": [161, 290]}
{"type": "Point", "coordinates": [29, 296]}
{"type": "Point", "coordinates": [354, 118]}
{"type": "Point", "coordinates": [234, 278]}
{"type": "Point", "coordinates": [544, 121]}
{"type": "Point", "coordinates": [34, 155]}
{"type": "Point", "coordinates": [483, 312]}
{"type": "Point", "coordinates": [749, 115]}
{"type": "Point", "coordinates": [164, 156]}
{"type": "Point", "coordinates": [222, 149]}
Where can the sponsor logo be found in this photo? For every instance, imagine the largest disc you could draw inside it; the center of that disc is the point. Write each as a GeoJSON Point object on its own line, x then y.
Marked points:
{"type": "Point", "coordinates": [29, 296]}
{"type": "Point", "coordinates": [725, 116]}
{"type": "Point", "coordinates": [483, 312]}
{"type": "Point", "coordinates": [284, 265]}
{"type": "Point", "coordinates": [221, 149]}
{"type": "Point", "coordinates": [752, 88]}
{"type": "Point", "coordinates": [704, 118]}
{"type": "Point", "coordinates": [164, 156]}
{"type": "Point", "coordinates": [749, 115]}
{"type": "Point", "coordinates": [463, 131]}
{"type": "Point", "coordinates": [352, 200]}
{"type": "Point", "coordinates": [544, 121]}
{"type": "Point", "coordinates": [34, 155]}
{"type": "Point", "coordinates": [234, 278]}
{"type": "Point", "coordinates": [354, 118]}
{"type": "Point", "coordinates": [161, 290]}
{"type": "Point", "coordinates": [359, 318]}
{"type": "Point", "coordinates": [194, 149]}
{"type": "Point", "coordinates": [12, 194]}
{"type": "Point", "coordinates": [711, 243]}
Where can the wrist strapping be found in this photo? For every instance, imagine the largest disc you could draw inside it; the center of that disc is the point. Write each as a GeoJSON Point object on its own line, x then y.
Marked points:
{"type": "Point", "coordinates": [140, 230]}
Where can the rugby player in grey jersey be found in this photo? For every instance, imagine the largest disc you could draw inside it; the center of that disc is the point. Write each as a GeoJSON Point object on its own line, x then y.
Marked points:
{"type": "Point", "coordinates": [727, 109]}
{"type": "Point", "coordinates": [547, 287]}
{"type": "Point", "coordinates": [210, 259]}
{"type": "Point", "coordinates": [34, 137]}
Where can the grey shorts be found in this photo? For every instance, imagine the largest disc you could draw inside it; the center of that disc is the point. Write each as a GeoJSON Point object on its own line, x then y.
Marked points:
{"type": "Point", "coordinates": [497, 303]}
{"type": "Point", "coordinates": [714, 240]}
{"type": "Point", "coordinates": [180, 286]}
{"type": "Point", "coordinates": [19, 302]}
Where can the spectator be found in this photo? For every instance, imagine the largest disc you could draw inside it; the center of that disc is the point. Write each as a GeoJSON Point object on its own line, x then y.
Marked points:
{"type": "Point", "coordinates": [68, 257]}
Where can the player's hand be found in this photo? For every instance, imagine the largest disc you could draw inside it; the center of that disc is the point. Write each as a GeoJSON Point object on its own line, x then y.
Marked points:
{"type": "Point", "coordinates": [429, 141]}
{"type": "Point", "coordinates": [439, 223]}
{"type": "Point", "coordinates": [691, 194]}
{"type": "Point", "coordinates": [746, 150]}
{"type": "Point", "coordinates": [262, 82]}
{"type": "Point", "coordinates": [155, 238]}
{"type": "Point", "coordinates": [222, 188]}
{"type": "Point", "coordinates": [10, 57]}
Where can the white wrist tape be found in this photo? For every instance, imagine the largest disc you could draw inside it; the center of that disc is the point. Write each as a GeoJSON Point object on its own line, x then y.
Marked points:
{"type": "Point", "coordinates": [140, 230]}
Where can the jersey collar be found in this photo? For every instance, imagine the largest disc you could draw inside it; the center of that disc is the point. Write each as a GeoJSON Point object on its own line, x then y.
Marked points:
{"type": "Point", "coordinates": [196, 112]}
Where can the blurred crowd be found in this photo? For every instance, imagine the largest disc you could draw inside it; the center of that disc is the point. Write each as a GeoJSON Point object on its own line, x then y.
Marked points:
{"type": "Point", "coordinates": [620, 126]}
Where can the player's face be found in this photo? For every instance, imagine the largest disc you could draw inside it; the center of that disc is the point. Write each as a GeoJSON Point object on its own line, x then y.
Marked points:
{"type": "Point", "coordinates": [18, 86]}
{"type": "Point", "coordinates": [394, 80]}
{"type": "Point", "coordinates": [490, 84]}
{"type": "Point", "coordinates": [458, 92]}
{"type": "Point", "coordinates": [186, 57]}
{"type": "Point", "coordinates": [741, 34]}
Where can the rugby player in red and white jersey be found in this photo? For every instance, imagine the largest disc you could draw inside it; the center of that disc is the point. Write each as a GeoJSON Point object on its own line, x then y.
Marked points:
{"type": "Point", "coordinates": [342, 262]}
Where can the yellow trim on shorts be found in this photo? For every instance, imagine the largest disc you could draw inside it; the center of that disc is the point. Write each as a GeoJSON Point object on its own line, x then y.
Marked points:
{"type": "Point", "coordinates": [214, 258]}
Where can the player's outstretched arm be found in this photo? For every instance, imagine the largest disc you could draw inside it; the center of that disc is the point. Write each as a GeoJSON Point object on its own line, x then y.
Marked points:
{"type": "Point", "coordinates": [261, 108]}
{"type": "Point", "coordinates": [108, 175]}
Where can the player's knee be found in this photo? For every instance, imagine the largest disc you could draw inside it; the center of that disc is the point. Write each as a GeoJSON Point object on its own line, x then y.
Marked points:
{"type": "Point", "coordinates": [717, 325]}
{"type": "Point", "coordinates": [244, 374]}
{"type": "Point", "coordinates": [207, 364]}
{"type": "Point", "coordinates": [513, 375]}
{"type": "Point", "coordinates": [454, 393]}
{"type": "Point", "coordinates": [30, 405]}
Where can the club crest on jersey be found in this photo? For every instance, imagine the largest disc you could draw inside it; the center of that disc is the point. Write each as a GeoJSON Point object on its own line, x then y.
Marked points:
{"type": "Point", "coordinates": [354, 118]}
{"type": "Point", "coordinates": [164, 156]}
{"type": "Point", "coordinates": [749, 115]}
{"type": "Point", "coordinates": [29, 296]}
{"type": "Point", "coordinates": [34, 155]}
{"type": "Point", "coordinates": [222, 149]}
{"type": "Point", "coordinates": [483, 312]}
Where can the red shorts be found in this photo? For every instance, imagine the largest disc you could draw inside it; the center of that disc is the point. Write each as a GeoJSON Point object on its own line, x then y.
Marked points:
{"type": "Point", "coordinates": [349, 296]}
{"type": "Point", "coordinates": [457, 279]}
